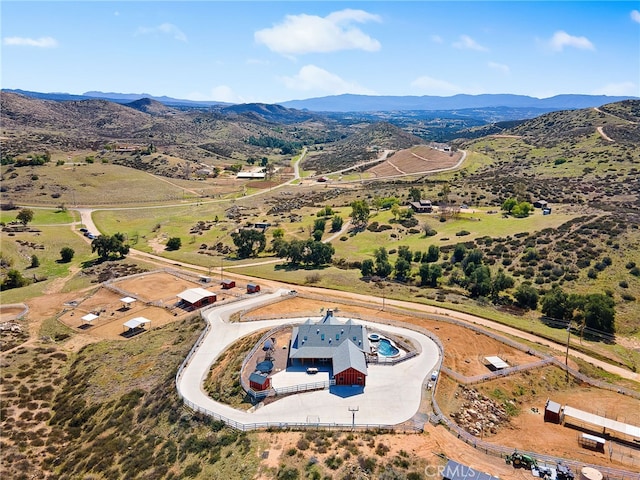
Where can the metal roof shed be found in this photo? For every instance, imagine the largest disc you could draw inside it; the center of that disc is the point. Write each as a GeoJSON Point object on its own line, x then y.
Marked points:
{"type": "Point", "coordinates": [127, 301]}
{"type": "Point", "coordinates": [552, 411]}
{"type": "Point", "coordinates": [89, 317]}
{"type": "Point", "coordinates": [136, 323]}
{"type": "Point", "coordinates": [495, 363]}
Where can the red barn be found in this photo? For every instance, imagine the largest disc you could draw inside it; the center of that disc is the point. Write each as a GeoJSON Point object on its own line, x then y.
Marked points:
{"type": "Point", "coordinates": [197, 297]}
{"type": "Point", "coordinates": [349, 365]}
{"type": "Point", "coordinates": [227, 284]}
{"type": "Point", "coordinates": [253, 288]}
{"type": "Point", "coordinates": [259, 382]}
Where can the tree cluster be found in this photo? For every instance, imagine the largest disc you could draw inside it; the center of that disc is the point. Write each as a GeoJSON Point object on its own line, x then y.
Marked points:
{"type": "Point", "coordinates": [110, 245]}
{"type": "Point", "coordinates": [249, 242]}
{"type": "Point", "coordinates": [306, 252]}
{"type": "Point", "coordinates": [594, 310]}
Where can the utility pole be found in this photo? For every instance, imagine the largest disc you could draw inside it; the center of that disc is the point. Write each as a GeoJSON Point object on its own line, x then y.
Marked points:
{"type": "Point", "coordinates": [566, 357]}
{"type": "Point", "coordinates": [353, 411]}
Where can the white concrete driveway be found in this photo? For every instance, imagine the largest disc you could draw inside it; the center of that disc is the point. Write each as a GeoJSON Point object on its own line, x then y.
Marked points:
{"type": "Point", "coordinates": [392, 394]}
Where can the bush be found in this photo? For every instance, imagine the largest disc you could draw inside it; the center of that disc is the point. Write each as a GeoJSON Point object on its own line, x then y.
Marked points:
{"type": "Point", "coordinates": [66, 254]}
{"type": "Point", "coordinates": [174, 243]}
{"type": "Point", "coordinates": [624, 284]}
{"type": "Point", "coordinates": [462, 233]}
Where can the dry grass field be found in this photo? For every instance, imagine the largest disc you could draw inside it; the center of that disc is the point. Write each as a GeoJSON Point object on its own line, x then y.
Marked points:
{"type": "Point", "coordinates": [419, 159]}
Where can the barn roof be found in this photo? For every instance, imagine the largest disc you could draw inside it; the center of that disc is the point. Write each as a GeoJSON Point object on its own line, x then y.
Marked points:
{"type": "Point", "coordinates": [346, 356]}
{"type": "Point", "coordinates": [194, 295]}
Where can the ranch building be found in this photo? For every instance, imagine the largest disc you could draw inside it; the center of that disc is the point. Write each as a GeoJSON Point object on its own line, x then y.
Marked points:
{"type": "Point", "coordinates": [197, 297]}
{"type": "Point", "coordinates": [342, 345]}
{"type": "Point", "coordinates": [422, 206]}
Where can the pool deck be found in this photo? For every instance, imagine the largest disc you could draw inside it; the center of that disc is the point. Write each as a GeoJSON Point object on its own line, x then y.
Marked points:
{"type": "Point", "coordinates": [392, 394]}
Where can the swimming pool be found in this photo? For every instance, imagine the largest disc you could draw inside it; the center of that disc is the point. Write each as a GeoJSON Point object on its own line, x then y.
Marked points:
{"type": "Point", "coordinates": [387, 349]}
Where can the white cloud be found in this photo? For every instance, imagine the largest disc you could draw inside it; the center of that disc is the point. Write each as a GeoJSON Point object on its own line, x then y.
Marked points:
{"type": "Point", "coordinates": [300, 34]}
{"type": "Point", "coordinates": [436, 39]}
{"type": "Point", "coordinates": [621, 89]}
{"type": "Point", "coordinates": [499, 66]}
{"type": "Point", "coordinates": [165, 29]}
{"type": "Point", "coordinates": [313, 78]}
{"type": "Point", "coordinates": [635, 16]}
{"type": "Point", "coordinates": [42, 42]}
{"type": "Point", "coordinates": [468, 43]}
{"type": "Point", "coordinates": [433, 86]}
{"type": "Point", "coordinates": [562, 39]}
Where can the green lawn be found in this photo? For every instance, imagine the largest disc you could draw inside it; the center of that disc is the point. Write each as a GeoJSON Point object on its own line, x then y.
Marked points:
{"type": "Point", "coordinates": [42, 216]}
{"type": "Point", "coordinates": [53, 239]}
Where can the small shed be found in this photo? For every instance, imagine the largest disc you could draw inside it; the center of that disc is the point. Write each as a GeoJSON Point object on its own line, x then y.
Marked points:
{"type": "Point", "coordinates": [540, 204]}
{"type": "Point", "coordinates": [552, 411]}
{"type": "Point", "coordinates": [89, 318]}
{"type": "Point", "coordinates": [137, 323]}
{"type": "Point", "coordinates": [253, 288]}
{"type": "Point", "coordinates": [127, 302]}
{"type": "Point", "coordinates": [495, 363]}
{"type": "Point", "coordinates": [259, 382]}
{"type": "Point", "coordinates": [227, 284]}
{"type": "Point", "coordinates": [591, 441]}
{"type": "Point", "coordinates": [197, 297]}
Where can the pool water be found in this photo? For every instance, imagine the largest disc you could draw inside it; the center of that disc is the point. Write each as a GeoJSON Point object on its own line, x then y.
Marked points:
{"type": "Point", "coordinates": [386, 349]}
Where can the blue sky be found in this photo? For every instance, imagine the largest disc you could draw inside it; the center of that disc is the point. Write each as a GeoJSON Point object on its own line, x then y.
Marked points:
{"type": "Point", "coordinates": [242, 51]}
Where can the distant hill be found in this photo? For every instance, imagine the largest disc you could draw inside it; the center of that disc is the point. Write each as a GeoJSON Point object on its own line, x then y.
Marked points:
{"type": "Point", "coordinates": [364, 144]}
{"type": "Point", "coordinates": [370, 103]}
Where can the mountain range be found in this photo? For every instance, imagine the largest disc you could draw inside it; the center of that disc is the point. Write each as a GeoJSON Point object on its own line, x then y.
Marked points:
{"type": "Point", "coordinates": [370, 103]}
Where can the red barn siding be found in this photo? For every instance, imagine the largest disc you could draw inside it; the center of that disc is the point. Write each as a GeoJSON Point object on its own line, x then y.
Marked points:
{"type": "Point", "coordinates": [350, 376]}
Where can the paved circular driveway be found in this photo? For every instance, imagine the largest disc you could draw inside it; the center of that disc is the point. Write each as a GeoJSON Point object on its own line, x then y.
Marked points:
{"type": "Point", "coordinates": [392, 394]}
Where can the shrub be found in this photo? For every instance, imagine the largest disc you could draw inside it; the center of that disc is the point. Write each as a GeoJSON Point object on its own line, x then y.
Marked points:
{"type": "Point", "coordinates": [462, 233]}
{"type": "Point", "coordinates": [624, 284]}
{"type": "Point", "coordinates": [66, 254]}
{"type": "Point", "coordinates": [174, 243]}
{"type": "Point", "coordinates": [628, 297]}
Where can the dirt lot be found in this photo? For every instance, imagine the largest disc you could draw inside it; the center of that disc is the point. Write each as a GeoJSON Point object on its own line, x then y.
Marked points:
{"type": "Point", "coordinates": [416, 160]}
{"type": "Point", "coordinates": [147, 287]}
{"type": "Point", "coordinates": [10, 312]}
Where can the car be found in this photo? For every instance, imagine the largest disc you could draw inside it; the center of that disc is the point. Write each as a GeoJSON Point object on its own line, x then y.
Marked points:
{"type": "Point", "coordinates": [434, 375]}
{"type": "Point", "coordinates": [429, 386]}
{"type": "Point", "coordinates": [84, 230]}
{"type": "Point", "coordinates": [91, 236]}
